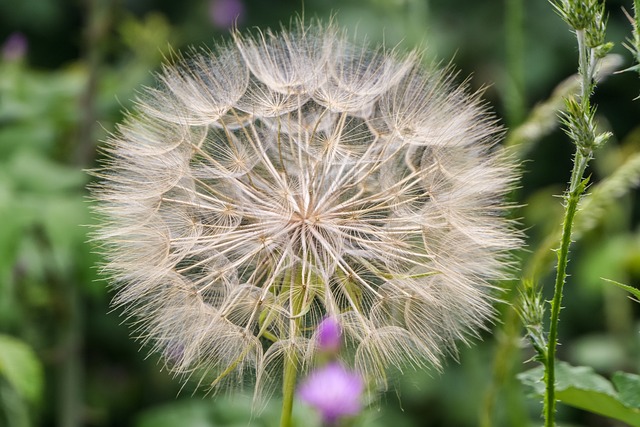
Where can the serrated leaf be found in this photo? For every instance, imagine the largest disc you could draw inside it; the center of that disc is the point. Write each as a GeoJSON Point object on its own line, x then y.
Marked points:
{"type": "Point", "coordinates": [582, 388]}
{"type": "Point", "coordinates": [21, 368]}
{"type": "Point", "coordinates": [630, 289]}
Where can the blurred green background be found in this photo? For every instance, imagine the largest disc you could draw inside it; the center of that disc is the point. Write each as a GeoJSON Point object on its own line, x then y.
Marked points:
{"type": "Point", "coordinates": [69, 67]}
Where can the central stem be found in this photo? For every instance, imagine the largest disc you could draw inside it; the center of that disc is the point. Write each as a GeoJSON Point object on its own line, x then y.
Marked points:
{"type": "Point", "coordinates": [288, 389]}
{"type": "Point", "coordinates": [291, 358]}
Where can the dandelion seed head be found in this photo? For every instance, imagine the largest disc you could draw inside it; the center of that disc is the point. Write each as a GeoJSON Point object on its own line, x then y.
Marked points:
{"type": "Point", "coordinates": [289, 177]}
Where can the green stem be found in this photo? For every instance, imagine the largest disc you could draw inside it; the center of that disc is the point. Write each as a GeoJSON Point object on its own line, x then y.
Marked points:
{"type": "Point", "coordinates": [291, 358]}
{"type": "Point", "coordinates": [514, 40]}
{"type": "Point", "coordinates": [563, 258]}
{"type": "Point", "coordinates": [288, 389]}
{"type": "Point", "coordinates": [583, 155]}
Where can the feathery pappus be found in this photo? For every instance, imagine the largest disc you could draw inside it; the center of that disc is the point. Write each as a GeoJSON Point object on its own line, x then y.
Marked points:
{"type": "Point", "coordinates": [289, 176]}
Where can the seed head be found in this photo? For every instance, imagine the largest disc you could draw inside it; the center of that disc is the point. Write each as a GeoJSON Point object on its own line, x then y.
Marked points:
{"type": "Point", "coordinates": [292, 176]}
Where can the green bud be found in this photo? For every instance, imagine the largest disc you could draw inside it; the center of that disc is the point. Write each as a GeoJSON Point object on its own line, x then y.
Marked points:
{"type": "Point", "coordinates": [602, 50]}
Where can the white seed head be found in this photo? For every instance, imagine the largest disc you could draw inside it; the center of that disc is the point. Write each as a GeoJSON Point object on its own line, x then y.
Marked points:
{"type": "Point", "coordinates": [291, 176]}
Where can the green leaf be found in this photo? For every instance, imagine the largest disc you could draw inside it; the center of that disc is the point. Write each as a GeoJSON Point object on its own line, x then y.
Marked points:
{"type": "Point", "coordinates": [630, 289]}
{"type": "Point", "coordinates": [21, 368]}
{"type": "Point", "coordinates": [628, 386]}
{"type": "Point", "coordinates": [582, 388]}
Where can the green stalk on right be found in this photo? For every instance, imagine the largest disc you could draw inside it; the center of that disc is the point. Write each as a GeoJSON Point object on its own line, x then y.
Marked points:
{"type": "Point", "coordinates": [587, 19]}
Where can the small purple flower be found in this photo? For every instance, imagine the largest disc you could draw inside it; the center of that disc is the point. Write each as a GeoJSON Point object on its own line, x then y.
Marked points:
{"type": "Point", "coordinates": [225, 13]}
{"type": "Point", "coordinates": [334, 391]}
{"type": "Point", "coordinates": [15, 47]}
{"type": "Point", "coordinates": [329, 335]}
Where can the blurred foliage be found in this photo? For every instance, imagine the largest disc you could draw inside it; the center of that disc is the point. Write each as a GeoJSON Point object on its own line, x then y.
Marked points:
{"type": "Point", "coordinates": [65, 360]}
{"type": "Point", "coordinates": [22, 380]}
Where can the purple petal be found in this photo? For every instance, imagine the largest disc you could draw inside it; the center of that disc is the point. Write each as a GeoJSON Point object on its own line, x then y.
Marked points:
{"type": "Point", "coordinates": [334, 391]}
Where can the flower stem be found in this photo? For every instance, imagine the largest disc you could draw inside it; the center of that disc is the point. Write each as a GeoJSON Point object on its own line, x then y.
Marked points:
{"type": "Point", "coordinates": [291, 358]}
{"type": "Point", "coordinates": [288, 389]}
{"type": "Point", "coordinates": [572, 199]}
{"type": "Point", "coordinates": [584, 153]}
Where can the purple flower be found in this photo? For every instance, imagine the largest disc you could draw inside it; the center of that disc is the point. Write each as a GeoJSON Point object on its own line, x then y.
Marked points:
{"type": "Point", "coordinates": [225, 13]}
{"type": "Point", "coordinates": [15, 47]}
{"type": "Point", "coordinates": [329, 335]}
{"type": "Point", "coordinates": [334, 391]}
